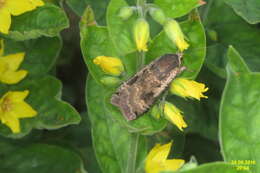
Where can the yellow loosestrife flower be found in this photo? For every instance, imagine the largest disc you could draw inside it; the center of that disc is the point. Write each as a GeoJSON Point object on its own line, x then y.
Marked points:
{"type": "Point", "coordinates": [13, 107]}
{"type": "Point", "coordinates": [8, 68]}
{"type": "Point", "coordinates": [15, 8]}
{"type": "Point", "coordinates": [188, 88]}
{"type": "Point", "coordinates": [174, 115]}
{"type": "Point", "coordinates": [141, 34]}
{"type": "Point", "coordinates": [174, 32]}
{"type": "Point", "coordinates": [157, 161]}
{"type": "Point", "coordinates": [110, 65]}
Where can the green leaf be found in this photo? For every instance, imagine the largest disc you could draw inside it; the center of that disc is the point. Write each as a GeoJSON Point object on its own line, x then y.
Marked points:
{"type": "Point", "coordinates": [44, 97]}
{"type": "Point", "coordinates": [240, 114]}
{"type": "Point", "coordinates": [40, 54]}
{"type": "Point", "coordinates": [47, 20]}
{"type": "Point", "coordinates": [177, 8]}
{"type": "Point", "coordinates": [121, 31]}
{"type": "Point", "coordinates": [40, 158]}
{"type": "Point", "coordinates": [95, 42]}
{"type": "Point", "coordinates": [99, 7]}
{"type": "Point", "coordinates": [236, 62]}
{"type": "Point", "coordinates": [194, 56]}
{"type": "Point", "coordinates": [116, 149]}
{"type": "Point", "coordinates": [249, 10]}
{"type": "Point", "coordinates": [215, 167]}
{"type": "Point", "coordinates": [231, 30]}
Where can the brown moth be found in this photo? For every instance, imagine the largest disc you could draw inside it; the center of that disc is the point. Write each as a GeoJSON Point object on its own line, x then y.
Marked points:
{"type": "Point", "coordinates": [136, 95]}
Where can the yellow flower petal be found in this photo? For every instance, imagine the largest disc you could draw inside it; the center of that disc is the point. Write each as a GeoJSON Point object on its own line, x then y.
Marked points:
{"type": "Point", "coordinates": [18, 7]}
{"type": "Point", "coordinates": [5, 20]}
{"type": "Point", "coordinates": [175, 34]}
{"type": "Point", "coordinates": [16, 96]}
{"type": "Point", "coordinates": [174, 115]}
{"type": "Point", "coordinates": [110, 65]}
{"type": "Point", "coordinates": [8, 66]}
{"type": "Point", "coordinates": [13, 60]}
{"type": "Point", "coordinates": [156, 161]}
{"type": "Point", "coordinates": [11, 77]}
{"type": "Point", "coordinates": [12, 122]}
{"type": "Point", "coordinates": [141, 34]}
{"type": "Point", "coordinates": [23, 110]}
{"type": "Point", "coordinates": [173, 164]}
{"type": "Point", "coordinates": [159, 152]}
{"type": "Point", "coordinates": [188, 88]}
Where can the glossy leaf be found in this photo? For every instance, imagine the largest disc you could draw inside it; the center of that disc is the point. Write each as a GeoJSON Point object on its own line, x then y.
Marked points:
{"type": "Point", "coordinates": [177, 8]}
{"type": "Point", "coordinates": [95, 42]}
{"type": "Point", "coordinates": [116, 149]}
{"type": "Point", "coordinates": [47, 20]}
{"type": "Point", "coordinates": [44, 97]}
{"type": "Point", "coordinates": [40, 54]}
{"type": "Point", "coordinates": [249, 10]}
{"type": "Point", "coordinates": [40, 158]}
{"type": "Point", "coordinates": [230, 30]}
{"type": "Point", "coordinates": [194, 56]}
{"type": "Point", "coordinates": [239, 113]}
{"type": "Point", "coordinates": [121, 31]}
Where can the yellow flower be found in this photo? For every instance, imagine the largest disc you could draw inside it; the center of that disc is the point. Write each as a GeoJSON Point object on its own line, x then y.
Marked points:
{"type": "Point", "coordinates": [174, 32]}
{"type": "Point", "coordinates": [188, 88]}
{"type": "Point", "coordinates": [110, 65]}
{"type": "Point", "coordinates": [174, 115]}
{"type": "Point", "coordinates": [157, 161]}
{"type": "Point", "coordinates": [8, 68]}
{"type": "Point", "coordinates": [15, 8]}
{"type": "Point", "coordinates": [141, 34]}
{"type": "Point", "coordinates": [13, 107]}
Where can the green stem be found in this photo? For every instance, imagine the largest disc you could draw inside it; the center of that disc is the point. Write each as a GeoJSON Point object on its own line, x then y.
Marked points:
{"type": "Point", "coordinates": [131, 167]}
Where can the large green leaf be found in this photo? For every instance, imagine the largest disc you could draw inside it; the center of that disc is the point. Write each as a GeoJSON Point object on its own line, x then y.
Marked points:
{"type": "Point", "coordinates": [40, 54]}
{"type": "Point", "coordinates": [116, 149]}
{"type": "Point", "coordinates": [39, 158]}
{"type": "Point", "coordinates": [177, 8]}
{"type": "Point", "coordinates": [194, 56]}
{"type": "Point", "coordinates": [120, 30]}
{"type": "Point", "coordinates": [215, 167]}
{"type": "Point", "coordinates": [44, 97]}
{"type": "Point", "coordinates": [240, 113]}
{"type": "Point", "coordinates": [47, 20]}
{"type": "Point", "coordinates": [247, 9]}
{"type": "Point", "coordinates": [230, 30]}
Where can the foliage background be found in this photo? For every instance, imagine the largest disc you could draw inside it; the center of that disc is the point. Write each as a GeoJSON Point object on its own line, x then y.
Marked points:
{"type": "Point", "coordinates": [215, 124]}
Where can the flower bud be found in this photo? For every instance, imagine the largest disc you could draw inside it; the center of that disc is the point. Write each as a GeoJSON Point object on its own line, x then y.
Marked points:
{"type": "Point", "coordinates": [156, 112]}
{"type": "Point", "coordinates": [158, 15]}
{"type": "Point", "coordinates": [110, 65]}
{"type": "Point", "coordinates": [174, 32]}
{"type": "Point", "coordinates": [174, 115]}
{"type": "Point", "coordinates": [110, 81]}
{"type": "Point", "coordinates": [141, 34]}
{"type": "Point", "coordinates": [188, 88]}
{"type": "Point", "coordinates": [126, 12]}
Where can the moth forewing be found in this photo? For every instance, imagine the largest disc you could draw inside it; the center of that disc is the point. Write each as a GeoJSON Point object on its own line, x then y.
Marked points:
{"type": "Point", "coordinates": [136, 95]}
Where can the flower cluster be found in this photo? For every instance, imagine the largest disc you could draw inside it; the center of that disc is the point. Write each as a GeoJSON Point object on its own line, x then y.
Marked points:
{"type": "Point", "coordinates": [12, 104]}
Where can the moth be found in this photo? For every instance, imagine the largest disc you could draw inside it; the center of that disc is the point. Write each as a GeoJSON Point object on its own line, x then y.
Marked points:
{"type": "Point", "coordinates": [135, 96]}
